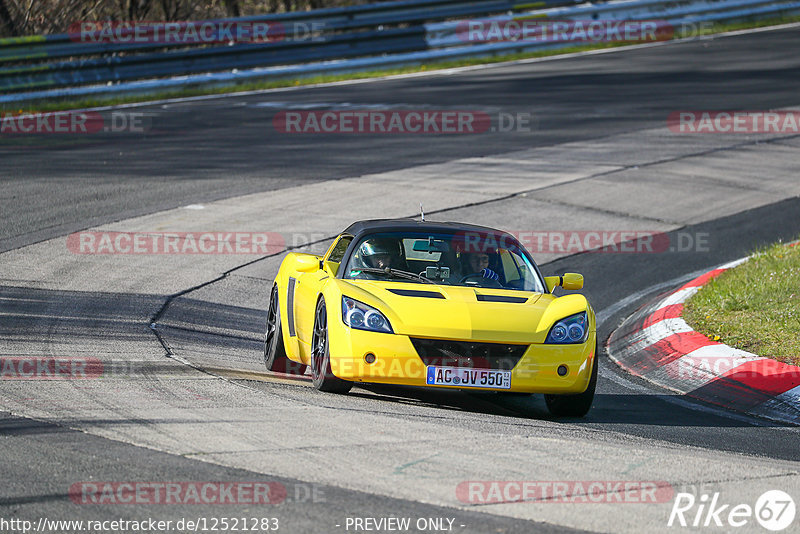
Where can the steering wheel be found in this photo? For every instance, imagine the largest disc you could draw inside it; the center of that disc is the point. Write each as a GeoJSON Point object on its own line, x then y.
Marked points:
{"type": "Point", "coordinates": [495, 283]}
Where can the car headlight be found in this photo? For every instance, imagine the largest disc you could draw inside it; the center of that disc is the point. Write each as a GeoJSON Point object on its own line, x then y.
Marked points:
{"type": "Point", "coordinates": [573, 329]}
{"type": "Point", "coordinates": [358, 315]}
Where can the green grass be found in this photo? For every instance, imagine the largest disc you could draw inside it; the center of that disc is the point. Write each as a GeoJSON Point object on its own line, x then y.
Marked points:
{"type": "Point", "coordinates": [755, 306]}
{"type": "Point", "coordinates": [89, 102]}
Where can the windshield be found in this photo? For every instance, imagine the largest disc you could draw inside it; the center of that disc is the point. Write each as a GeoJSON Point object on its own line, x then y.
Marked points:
{"type": "Point", "coordinates": [467, 258]}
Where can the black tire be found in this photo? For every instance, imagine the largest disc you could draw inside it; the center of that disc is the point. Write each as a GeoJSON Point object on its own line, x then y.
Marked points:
{"type": "Point", "coordinates": [575, 405]}
{"type": "Point", "coordinates": [321, 374]}
{"type": "Point", "coordinates": [274, 350]}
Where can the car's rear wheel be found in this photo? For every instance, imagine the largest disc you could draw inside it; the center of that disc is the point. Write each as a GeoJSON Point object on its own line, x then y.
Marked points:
{"type": "Point", "coordinates": [575, 405]}
{"type": "Point", "coordinates": [274, 350]}
{"type": "Point", "coordinates": [323, 377]}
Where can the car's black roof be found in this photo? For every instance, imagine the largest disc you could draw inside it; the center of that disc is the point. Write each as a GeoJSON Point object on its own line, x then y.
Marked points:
{"type": "Point", "coordinates": [392, 225]}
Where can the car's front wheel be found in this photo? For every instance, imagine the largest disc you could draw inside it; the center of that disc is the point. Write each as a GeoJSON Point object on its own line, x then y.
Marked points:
{"type": "Point", "coordinates": [274, 350]}
{"type": "Point", "coordinates": [323, 377]}
{"type": "Point", "coordinates": [575, 405]}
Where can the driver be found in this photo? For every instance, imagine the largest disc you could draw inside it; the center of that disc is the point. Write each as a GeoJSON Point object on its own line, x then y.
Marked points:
{"type": "Point", "coordinates": [379, 253]}
{"type": "Point", "coordinates": [478, 263]}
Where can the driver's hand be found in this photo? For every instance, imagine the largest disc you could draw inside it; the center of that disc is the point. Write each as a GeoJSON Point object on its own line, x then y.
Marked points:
{"type": "Point", "coordinates": [490, 274]}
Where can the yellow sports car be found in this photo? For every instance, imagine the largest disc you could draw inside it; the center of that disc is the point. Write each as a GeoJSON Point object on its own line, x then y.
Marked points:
{"type": "Point", "coordinates": [445, 305]}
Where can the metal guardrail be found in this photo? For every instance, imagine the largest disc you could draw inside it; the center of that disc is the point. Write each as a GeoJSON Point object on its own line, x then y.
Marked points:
{"type": "Point", "coordinates": [331, 20]}
{"type": "Point", "coordinates": [389, 27]}
{"type": "Point", "coordinates": [677, 13]}
{"type": "Point", "coordinates": [372, 36]}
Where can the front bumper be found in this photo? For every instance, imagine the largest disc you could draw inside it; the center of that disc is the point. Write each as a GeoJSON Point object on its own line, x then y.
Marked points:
{"type": "Point", "coordinates": [397, 362]}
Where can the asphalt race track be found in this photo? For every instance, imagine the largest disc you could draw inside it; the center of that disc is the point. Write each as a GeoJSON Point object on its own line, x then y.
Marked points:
{"type": "Point", "coordinates": [222, 148]}
{"type": "Point", "coordinates": [194, 403]}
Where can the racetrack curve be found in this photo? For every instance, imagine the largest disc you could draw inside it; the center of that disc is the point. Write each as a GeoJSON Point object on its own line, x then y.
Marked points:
{"type": "Point", "coordinates": [599, 158]}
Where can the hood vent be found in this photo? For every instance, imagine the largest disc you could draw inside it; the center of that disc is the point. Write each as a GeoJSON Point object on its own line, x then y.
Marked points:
{"type": "Point", "coordinates": [501, 298]}
{"type": "Point", "coordinates": [417, 293]}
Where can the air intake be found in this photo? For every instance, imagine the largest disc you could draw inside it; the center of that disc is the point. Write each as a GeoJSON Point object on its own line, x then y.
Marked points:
{"type": "Point", "coordinates": [417, 293]}
{"type": "Point", "coordinates": [501, 298]}
{"type": "Point", "coordinates": [468, 354]}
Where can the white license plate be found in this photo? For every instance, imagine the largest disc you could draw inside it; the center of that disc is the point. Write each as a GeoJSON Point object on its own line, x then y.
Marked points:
{"type": "Point", "coordinates": [468, 378]}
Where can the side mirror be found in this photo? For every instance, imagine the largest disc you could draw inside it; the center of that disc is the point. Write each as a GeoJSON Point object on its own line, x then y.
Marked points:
{"type": "Point", "coordinates": [572, 281]}
{"type": "Point", "coordinates": [568, 281]}
{"type": "Point", "coordinates": [306, 263]}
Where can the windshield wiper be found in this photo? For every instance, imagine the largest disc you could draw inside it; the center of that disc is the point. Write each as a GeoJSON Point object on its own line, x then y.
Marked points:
{"type": "Point", "coordinates": [397, 273]}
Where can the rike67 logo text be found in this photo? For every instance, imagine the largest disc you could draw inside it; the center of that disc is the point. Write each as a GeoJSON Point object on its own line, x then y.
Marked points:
{"type": "Point", "coordinates": [774, 510]}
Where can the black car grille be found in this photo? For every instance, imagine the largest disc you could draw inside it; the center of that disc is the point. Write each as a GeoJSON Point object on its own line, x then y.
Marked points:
{"type": "Point", "coordinates": [468, 354]}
